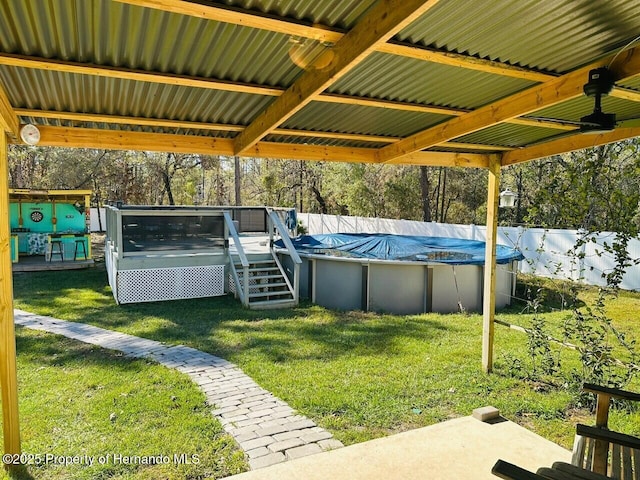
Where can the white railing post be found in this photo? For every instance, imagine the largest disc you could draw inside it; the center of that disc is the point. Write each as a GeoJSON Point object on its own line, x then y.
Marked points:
{"type": "Point", "coordinates": [295, 258]}
{"type": "Point", "coordinates": [296, 282]}
{"type": "Point", "coordinates": [242, 290]}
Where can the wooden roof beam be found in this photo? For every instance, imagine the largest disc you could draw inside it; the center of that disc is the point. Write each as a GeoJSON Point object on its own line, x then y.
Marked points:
{"type": "Point", "coordinates": [125, 120]}
{"type": "Point", "coordinates": [382, 21]}
{"type": "Point", "coordinates": [445, 159]}
{"type": "Point", "coordinates": [567, 144]}
{"type": "Point", "coordinates": [22, 61]}
{"type": "Point", "coordinates": [625, 94]}
{"type": "Point", "coordinates": [550, 93]}
{"type": "Point", "coordinates": [464, 61]}
{"type": "Point", "coordinates": [164, 123]}
{"type": "Point", "coordinates": [72, 137]}
{"type": "Point", "coordinates": [9, 122]}
{"type": "Point", "coordinates": [238, 17]}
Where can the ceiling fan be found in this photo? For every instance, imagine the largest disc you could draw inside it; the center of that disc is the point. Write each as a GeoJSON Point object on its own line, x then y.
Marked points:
{"type": "Point", "coordinates": [601, 82]}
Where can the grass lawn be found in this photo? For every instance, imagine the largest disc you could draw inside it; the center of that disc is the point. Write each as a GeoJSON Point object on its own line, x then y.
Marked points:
{"type": "Point", "coordinates": [78, 399]}
{"type": "Point", "coordinates": [360, 375]}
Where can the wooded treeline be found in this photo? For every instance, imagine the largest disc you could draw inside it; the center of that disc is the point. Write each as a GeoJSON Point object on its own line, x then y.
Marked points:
{"type": "Point", "coordinates": [595, 189]}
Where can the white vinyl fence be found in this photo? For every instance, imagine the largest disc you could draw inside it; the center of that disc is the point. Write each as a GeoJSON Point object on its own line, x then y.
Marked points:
{"type": "Point", "coordinates": [96, 224]}
{"type": "Point", "coordinates": [547, 251]}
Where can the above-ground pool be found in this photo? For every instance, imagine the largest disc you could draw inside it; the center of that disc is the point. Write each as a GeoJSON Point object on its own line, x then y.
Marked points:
{"type": "Point", "coordinates": [398, 273]}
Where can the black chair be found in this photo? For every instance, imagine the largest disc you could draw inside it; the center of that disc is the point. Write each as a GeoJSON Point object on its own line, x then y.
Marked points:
{"type": "Point", "coordinates": [56, 242]}
{"type": "Point", "coordinates": [598, 453]}
{"type": "Point", "coordinates": [80, 245]}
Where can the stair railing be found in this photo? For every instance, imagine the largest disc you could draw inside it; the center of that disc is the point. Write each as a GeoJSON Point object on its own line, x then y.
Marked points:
{"type": "Point", "coordinates": [242, 290]}
{"type": "Point", "coordinates": [276, 225]}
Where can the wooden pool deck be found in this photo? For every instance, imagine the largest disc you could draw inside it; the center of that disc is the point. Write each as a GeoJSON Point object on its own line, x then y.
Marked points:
{"type": "Point", "coordinates": [37, 263]}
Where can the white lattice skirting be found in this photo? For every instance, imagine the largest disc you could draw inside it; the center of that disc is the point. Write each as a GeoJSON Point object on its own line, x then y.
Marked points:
{"type": "Point", "coordinates": [156, 284]}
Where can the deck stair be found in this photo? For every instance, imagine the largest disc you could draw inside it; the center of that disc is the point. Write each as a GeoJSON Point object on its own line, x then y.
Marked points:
{"type": "Point", "coordinates": [268, 287]}
{"type": "Point", "coordinates": [259, 280]}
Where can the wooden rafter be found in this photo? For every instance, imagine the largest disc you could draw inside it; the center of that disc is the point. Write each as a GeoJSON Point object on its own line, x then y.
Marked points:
{"type": "Point", "coordinates": [550, 93]}
{"type": "Point", "coordinates": [160, 142]}
{"type": "Point", "coordinates": [9, 123]}
{"type": "Point", "coordinates": [384, 20]}
{"type": "Point", "coordinates": [446, 159]}
{"type": "Point", "coordinates": [74, 137]}
{"type": "Point", "coordinates": [124, 120]}
{"type": "Point", "coordinates": [567, 144]}
{"type": "Point", "coordinates": [245, 19]}
{"type": "Point", "coordinates": [219, 127]}
{"type": "Point", "coordinates": [626, 94]}
{"type": "Point", "coordinates": [389, 104]}
{"type": "Point", "coordinates": [136, 75]}
{"type": "Point", "coordinates": [464, 61]}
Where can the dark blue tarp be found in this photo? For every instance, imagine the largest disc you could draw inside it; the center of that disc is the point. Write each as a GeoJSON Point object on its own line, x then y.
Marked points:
{"type": "Point", "coordinates": [384, 246]}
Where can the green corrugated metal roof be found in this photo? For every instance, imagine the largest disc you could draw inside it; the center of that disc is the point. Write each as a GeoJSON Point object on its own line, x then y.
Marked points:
{"type": "Point", "coordinates": [509, 135]}
{"type": "Point", "coordinates": [333, 117]}
{"type": "Point", "coordinates": [341, 14]}
{"type": "Point", "coordinates": [581, 106]}
{"type": "Point", "coordinates": [82, 93]}
{"type": "Point", "coordinates": [405, 79]}
{"type": "Point", "coordinates": [547, 35]}
{"type": "Point", "coordinates": [553, 35]}
{"type": "Point", "coordinates": [328, 142]}
{"type": "Point", "coordinates": [110, 33]}
{"type": "Point", "coordinates": [633, 83]}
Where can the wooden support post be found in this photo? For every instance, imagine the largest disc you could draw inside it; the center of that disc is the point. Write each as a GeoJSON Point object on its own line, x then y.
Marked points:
{"type": "Point", "coordinates": [8, 373]}
{"type": "Point", "coordinates": [489, 288]}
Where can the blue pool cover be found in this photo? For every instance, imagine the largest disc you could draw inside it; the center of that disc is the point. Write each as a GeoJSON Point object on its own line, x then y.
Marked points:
{"type": "Point", "coordinates": [383, 246]}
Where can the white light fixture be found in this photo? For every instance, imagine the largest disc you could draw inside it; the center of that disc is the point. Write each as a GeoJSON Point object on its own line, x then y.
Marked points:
{"type": "Point", "coordinates": [508, 199]}
{"type": "Point", "coordinates": [30, 134]}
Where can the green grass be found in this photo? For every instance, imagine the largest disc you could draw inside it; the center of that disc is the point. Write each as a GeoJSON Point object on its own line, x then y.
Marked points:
{"type": "Point", "coordinates": [360, 375]}
{"type": "Point", "coordinates": [77, 399]}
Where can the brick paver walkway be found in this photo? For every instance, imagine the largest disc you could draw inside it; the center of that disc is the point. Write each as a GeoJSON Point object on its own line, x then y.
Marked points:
{"type": "Point", "coordinates": [266, 428]}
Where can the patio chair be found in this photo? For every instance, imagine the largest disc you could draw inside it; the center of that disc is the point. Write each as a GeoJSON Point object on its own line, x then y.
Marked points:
{"type": "Point", "coordinates": [602, 450]}
{"type": "Point", "coordinates": [598, 453]}
{"type": "Point", "coordinates": [558, 471]}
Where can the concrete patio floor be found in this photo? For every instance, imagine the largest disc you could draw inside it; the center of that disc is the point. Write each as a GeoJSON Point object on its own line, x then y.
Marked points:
{"type": "Point", "coordinates": [462, 448]}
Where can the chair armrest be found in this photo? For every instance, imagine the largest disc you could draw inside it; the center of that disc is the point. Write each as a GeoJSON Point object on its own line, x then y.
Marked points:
{"type": "Point", "coordinates": [509, 471]}
{"type": "Point", "coordinates": [578, 472]}
{"type": "Point", "coordinates": [612, 392]}
{"type": "Point", "coordinates": [608, 436]}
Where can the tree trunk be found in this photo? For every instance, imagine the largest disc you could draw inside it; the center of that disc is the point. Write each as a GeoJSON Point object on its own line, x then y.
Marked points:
{"type": "Point", "coordinates": [301, 183]}
{"type": "Point", "coordinates": [167, 187]}
{"type": "Point", "coordinates": [237, 178]}
{"type": "Point", "coordinates": [443, 213]}
{"type": "Point", "coordinates": [321, 201]}
{"type": "Point", "coordinates": [424, 190]}
{"type": "Point", "coordinates": [437, 216]}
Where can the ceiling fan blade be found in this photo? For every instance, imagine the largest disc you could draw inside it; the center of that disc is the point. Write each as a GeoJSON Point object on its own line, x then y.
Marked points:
{"type": "Point", "coordinates": [559, 121]}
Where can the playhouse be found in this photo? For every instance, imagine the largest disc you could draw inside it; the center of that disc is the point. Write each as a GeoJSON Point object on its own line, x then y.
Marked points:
{"type": "Point", "coordinates": [51, 225]}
